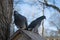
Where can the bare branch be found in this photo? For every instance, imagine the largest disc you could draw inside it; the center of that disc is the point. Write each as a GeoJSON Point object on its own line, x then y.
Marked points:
{"type": "Point", "coordinates": [54, 24]}
{"type": "Point", "coordinates": [50, 5]}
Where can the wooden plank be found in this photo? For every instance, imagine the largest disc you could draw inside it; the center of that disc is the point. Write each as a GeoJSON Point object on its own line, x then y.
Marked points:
{"type": "Point", "coordinates": [32, 35]}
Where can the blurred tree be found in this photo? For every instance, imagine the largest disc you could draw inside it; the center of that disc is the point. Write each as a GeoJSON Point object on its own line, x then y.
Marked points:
{"type": "Point", "coordinates": [5, 18]}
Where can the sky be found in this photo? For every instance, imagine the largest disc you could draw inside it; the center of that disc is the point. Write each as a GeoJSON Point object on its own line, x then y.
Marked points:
{"type": "Point", "coordinates": [31, 9]}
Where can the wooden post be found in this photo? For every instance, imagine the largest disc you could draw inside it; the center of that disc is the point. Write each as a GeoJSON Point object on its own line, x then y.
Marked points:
{"type": "Point", "coordinates": [43, 22]}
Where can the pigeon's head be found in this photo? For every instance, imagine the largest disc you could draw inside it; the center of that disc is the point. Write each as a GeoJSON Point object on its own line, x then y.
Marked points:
{"type": "Point", "coordinates": [15, 12]}
{"type": "Point", "coordinates": [43, 17]}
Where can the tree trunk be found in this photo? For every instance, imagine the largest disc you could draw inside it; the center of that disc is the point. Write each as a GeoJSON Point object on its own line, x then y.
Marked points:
{"type": "Point", "coordinates": [6, 7]}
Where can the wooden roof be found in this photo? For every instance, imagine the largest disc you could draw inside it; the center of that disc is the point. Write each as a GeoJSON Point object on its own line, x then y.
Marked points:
{"type": "Point", "coordinates": [26, 35]}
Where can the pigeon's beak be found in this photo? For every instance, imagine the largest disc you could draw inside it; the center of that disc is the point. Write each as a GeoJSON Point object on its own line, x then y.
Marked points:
{"type": "Point", "coordinates": [45, 17]}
